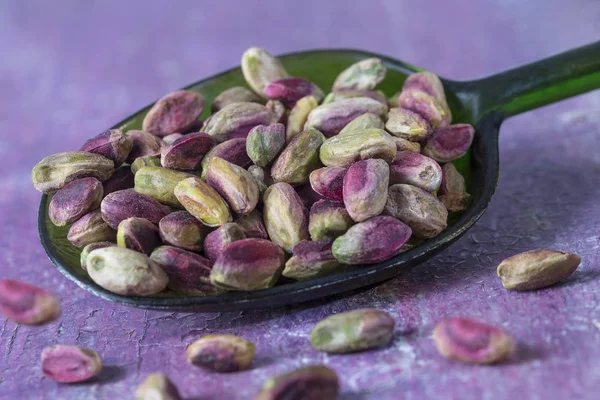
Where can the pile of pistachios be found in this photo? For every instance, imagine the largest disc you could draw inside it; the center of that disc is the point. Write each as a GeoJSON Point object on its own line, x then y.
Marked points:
{"type": "Point", "coordinates": [279, 181]}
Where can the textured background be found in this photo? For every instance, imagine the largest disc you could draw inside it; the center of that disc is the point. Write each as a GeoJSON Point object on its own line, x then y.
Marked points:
{"type": "Point", "coordinates": [69, 69]}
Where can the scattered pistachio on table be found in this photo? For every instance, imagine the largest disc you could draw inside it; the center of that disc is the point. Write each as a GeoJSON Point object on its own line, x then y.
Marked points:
{"type": "Point", "coordinates": [157, 386]}
{"type": "Point", "coordinates": [70, 364]}
{"type": "Point", "coordinates": [221, 353]}
{"type": "Point", "coordinates": [313, 382]}
{"type": "Point", "coordinates": [27, 304]}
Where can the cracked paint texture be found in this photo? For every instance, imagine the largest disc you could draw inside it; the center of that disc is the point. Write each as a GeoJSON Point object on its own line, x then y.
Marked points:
{"type": "Point", "coordinates": [72, 68]}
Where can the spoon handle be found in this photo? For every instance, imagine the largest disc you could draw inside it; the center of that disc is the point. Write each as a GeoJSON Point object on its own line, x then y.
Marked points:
{"type": "Point", "coordinates": [543, 82]}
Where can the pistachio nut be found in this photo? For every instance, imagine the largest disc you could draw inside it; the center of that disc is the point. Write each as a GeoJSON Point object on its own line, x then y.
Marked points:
{"type": "Point", "coordinates": [159, 183]}
{"type": "Point", "coordinates": [91, 247]}
{"type": "Point", "coordinates": [314, 382]}
{"type": "Point", "coordinates": [138, 234]}
{"type": "Point", "coordinates": [91, 228]}
{"type": "Point", "coordinates": [365, 121]}
{"type": "Point", "coordinates": [145, 161]}
{"type": "Point", "coordinates": [144, 144]}
{"type": "Point", "coordinates": [157, 386]}
{"type": "Point", "coordinates": [450, 143]}
{"type": "Point", "coordinates": [203, 202]}
{"type": "Point", "coordinates": [363, 75]}
{"type": "Point", "coordinates": [311, 260]}
{"type": "Point", "coordinates": [260, 68]}
{"type": "Point", "coordinates": [188, 272]}
{"type": "Point", "coordinates": [222, 237]}
{"type": "Point", "coordinates": [328, 219]}
{"type": "Point", "coordinates": [70, 364]}
{"type": "Point", "coordinates": [417, 170]}
{"type": "Point", "coordinates": [343, 150]}
{"type": "Point", "coordinates": [236, 120]}
{"type": "Point", "coordinates": [285, 216]}
{"type": "Point", "coordinates": [232, 150]}
{"type": "Point", "coordinates": [186, 152]}
{"type": "Point", "coordinates": [408, 125]}
{"type": "Point", "coordinates": [253, 225]}
{"type": "Point", "coordinates": [264, 143]}
{"type": "Point", "coordinates": [181, 229]}
{"type": "Point", "coordinates": [437, 114]}
{"type": "Point", "coordinates": [128, 203]}
{"type": "Point", "coordinates": [26, 304]}
{"type": "Point", "coordinates": [236, 94]}
{"type": "Point", "coordinates": [290, 90]}
{"type": "Point", "coordinates": [112, 144]}
{"type": "Point", "coordinates": [299, 115]}
{"type": "Point", "coordinates": [221, 353]}
{"type": "Point", "coordinates": [365, 188]}
{"type": "Point", "coordinates": [234, 184]}
{"type": "Point", "coordinates": [328, 182]}
{"type": "Point", "coordinates": [299, 158]}
{"type": "Point", "coordinates": [331, 118]}
{"type": "Point", "coordinates": [173, 113]}
{"type": "Point", "coordinates": [122, 179]}
{"type": "Point", "coordinates": [75, 200]}
{"type": "Point", "coordinates": [406, 145]}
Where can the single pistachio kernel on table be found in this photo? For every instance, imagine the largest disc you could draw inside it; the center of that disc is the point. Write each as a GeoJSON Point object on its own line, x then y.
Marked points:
{"type": "Point", "coordinates": [234, 184]}
{"type": "Point", "coordinates": [365, 188]}
{"type": "Point", "coordinates": [417, 170]}
{"type": "Point", "coordinates": [329, 182]}
{"type": "Point", "coordinates": [365, 121]}
{"type": "Point", "coordinates": [144, 144]}
{"type": "Point", "coordinates": [91, 228]}
{"type": "Point", "coordinates": [170, 139]}
{"type": "Point", "coordinates": [236, 94]}
{"type": "Point", "coordinates": [157, 386]}
{"type": "Point", "coordinates": [423, 212]}
{"type": "Point", "coordinates": [248, 264]}
{"type": "Point", "coordinates": [253, 225]}
{"type": "Point", "coordinates": [232, 150]}
{"type": "Point", "coordinates": [348, 94]}
{"type": "Point", "coordinates": [125, 272]}
{"type": "Point", "coordinates": [434, 112]}
{"type": "Point", "coordinates": [188, 272]}
{"type": "Point", "coordinates": [363, 75]}
{"type": "Point", "coordinates": [56, 171]}
{"type": "Point", "coordinates": [299, 158]}
{"type": "Point", "coordinates": [264, 143]}
{"type": "Point", "coordinates": [181, 229]}
{"type": "Point", "coordinates": [353, 331]}
{"type": "Point", "coordinates": [290, 90]}
{"type": "Point", "coordinates": [112, 144]}
{"type": "Point", "coordinates": [374, 240]}
{"type": "Point", "coordinates": [314, 382]}
{"type": "Point", "coordinates": [278, 112]}
{"type": "Point", "coordinates": [406, 145]}
{"type": "Point", "coordinates": [262, 178]}
{"type": "Point", "coordinates": [91, 247]}
{"type": "Point", "coordinates": [223, 236]}
{"type": "Point", "coordinates": [449, 143]}
{"type": "Point", "coordinates": [203, 202]}
{"type": "Point", "coordinates": [260, 68]}
{"type": "Point", "coordinates": [75, 200]}
{"type": "Point", "coordinates": [27, 304]}
{"type": "Point", "coordinates": [138, 234]}
{"type": "Point", "coordinates": [408, 125]}
{"type": "Point", "coordinates": [159, 183]}
{"type": "Point", "coordinates": [298, 116]}
{"type": "Point", "coordinates": [331, 118]}
{"type": "Point", "coordinates": [221, 353]}
{"type": "Point", "coordinates": [128, 203]}
{"type": "Point", "coordinates": [311, 260]}
{"type": "Point", "coordinates": [146, 161]}
{"type": "Point", "coordinates": [341, 151]}
{"type": "Point", "coordinates": [173, 113]}
{"type": "Point", "coordinates": [472, 342]}
{"type": "Point", "coordinates": [122, 179]}
{"type": "Point", "coordinates": [328, 219]}
{"type": "Point", "coordinates": [70, 364]}
{"type": "Point", "coordinates": [236, 120]}
{"type": "Point", "coordinates": [537, 269]}
{"type": "Point", "coordinates": [186, 152]}
{"type": "Point", "coordinates": [285, 216]}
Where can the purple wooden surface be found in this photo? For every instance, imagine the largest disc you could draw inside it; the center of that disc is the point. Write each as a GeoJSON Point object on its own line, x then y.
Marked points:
{"type": "Point", "coordinates": [69, 69]}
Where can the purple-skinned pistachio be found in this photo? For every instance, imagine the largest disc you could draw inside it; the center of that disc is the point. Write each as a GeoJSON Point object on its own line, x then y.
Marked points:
{"type": "Point", "coordinates": [146, 161]}
{"type": "Point", "coordinates": [340, 151]}
{"type": "Point", "coordinates": [222, 237]}
{"type": "Point", "coordinates": [194, 127]}
{"type": "Point", "coordinates": [27, 304]}
{"type": "Point", "coordinates": [159, 183]}
{"type": "Point", "coordinates": [75, 200]}
{"type": "Point", "coordinates": [452, 180]}
{"type": "Point", "coordinates": [157, 386]}
{"type": "Point", "coordinates": [128, 203]}
{"type": "Point", "coordinates": [188, 272]}
{"type": "Point", "coordinates": [253, 225]}
{"type": "Point", "coordinates": [232, 150]}
{"type": "Point", "coordinates": [234, 184]}
{"type": "Point", "coordinates": [70, 364]}
{"type": "Point", "coordinates": [203, 202]}
{"type": "Point", "coordinates": [365, 188]}
{"type": "Point", "coordinates": [125, 272]}
{"type": "Point", "coordinates": [298, 116]}
{"type": "Point", "coordinates": [426, 82]}
{"type": "Point", "coordinates": [181, 229]}
{"type": "Point", "coordinates": [329, 182]}
{"type": "Point", "coordinates": [406, 145]}
{"type": "Point", "coordinates": [235, 94]}
{"type": "Point", "coordinates": [434, 112]}
{"type": "Point", "coordinates": [264, 143]}
{"type": "Point", "coordinates": [261, 177]}
{"type": "Point", "coordinates": [261, 68]}
{"type": "Point", "coordinates": [138, 234]}
{"type": "Point", "coordinates": [473, 342]}
{"type": "Point", "coordinates": [311, 260]}
{"type": "Point", "coordinates": [144, 144]}
{"type": "Point", "coordinates": [173, 113]}
{"type": "Point", "coordinates": [417, 170]}
{"type": "Point", "coordinates": [236, 120]}
{"type": "Point", "coordinates": [170, 139]}
{"type": "Point", "coordinates": [299, 158]}
{"type": "Point", "coordinates": [363, 75]}
{"type": "Point", "coordinates": [408, 125]}
{"type": "Point", "coordinates": [353, 331]}
{"type": "Point", "coordinates": [290, 90]}
{"type": "Point", "coordinates": [221, 353]}
{"type": "Point", "coordinates": [122, 179]}
{"type": "Point", "coordinates": [314, 382]}
{"type": "Point", "coordinates": [449, 143]}
{"type": "Point", "coordinates": [285, 216]}
{"type": "Point", "coordinates": [56, 171]}
{"type": "Point", "coordinates": [420, 210]}
{"type": "Point", "coordinates": [112, 144]}
{"type": "Point", "coordinates": [85, 252]}
{"type": "Point", "coordinates": [186, 152]}
{"type": "Point", "coordinates": [455, 202]}
{"type": "Point", "coordinates": [91, 228]}
{"type": "Point", "coordinates": [331, 118]}
{"type": "Point", "coordinates": [369, 242]}
{"type": "Point", "coordinates": [308, 195]}
{"type": "Point", "coordinates": [365, 121]}
{"type": "Point", "coordinates": [277, 110]}
{"type": "Point", "coordinates": [348, 94]}
{"type": "Point", "coordinates": [328, 219]}
{"type": "Point", "coordinates": [248, 264]}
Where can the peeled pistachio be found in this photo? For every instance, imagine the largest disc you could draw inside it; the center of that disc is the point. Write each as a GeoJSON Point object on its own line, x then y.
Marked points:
{"type": "Point", "coordinates": [203, 202]}
{"type": "Point", "coordinates": [181, 229]}
{"type": "Point", "coordinates": [221, 353]}
{"type": "Point", "coordinates": [426, 82]}
{"type": "Point", "coordinates": [298, 116]}
{"type": "Point", "coordinates": [70, 364]}
{"type": "Point", "coordinates": [27, 304]}
{"type": "Point", "coordinates": [157, 386]}
{"type": "Point", "coordinates": [278, 112]}
{"type": "Point", "coordinates": [144, 144]}
{"type": "Point", "coordinates": [128, 203]}
{"type": "Point", "coordinates": [112, 144]}
{"type": "Point", "coordinates": [328, 219]}
{"type": "Point", "coordinates": [91, 228]}
{"type": "Point", "coordinates": [261, 177]}
{"type": "Point", "coordinates": [455, 202]}
{"type": "Point", "coordinates": [363, 75]}
{"type": "Point", "coordinates": [311, 260]}
{"type": "Point", "coordinates": [122, 179]}
{"type": "Point", "coordinates": [235, 94]}
{"type": "Point", "coordinates": [436, 113]}
{"type": "Point", "coordinates": [170, 139]}
{"type": "Point", "coordinates": [290, 90]}
{"type": "Point", "coordinates": [407, 124]}
{"type": "Point", "coordinates": [264, 143]}
{"type": "Point", "coordinates": [450, 143]}
{"type": "Point", "coordinates": [138, 234]}
{"type": "Point", "coordinates": [234, 184]}
{"type": "Point", "coordinates": [145, 161]}
{"type": "Point", "coordinates": [328, 182]}
{"type": "Point", "coordinates": [159, 183]}
{"type": "Point", "coordinates": [232, 150]}
{"type": "Point", "coordinates": [315, 382]}
{"type": "Point", "coordinates": [340, 151]}
{"type": "Point", "coordinates": [365, 121]}
{"type": "Point", "coordinates": [188, 272]}
{"type": "Point", "coordinates": [417, 170]}
{"type": "Point", "coordinates": [91, 247]}
{"type": "Point", "coordinates": [236, 120]}
{"type": "Point", "coordinates": [452, 180]}
{"type": "Point", "coordinates": [365, 188]}
{"type": "Point", "coordinates": [260, 68]}
{"type": "Point", "coordinates": [285, 216]}
{"type": "Point", "coordinates": [348, 94]}
{"type": "Point", "coordinates": [75, 200]}
{"type": "Point", "coordinates": [186, 152]}
{"type": "Point", "coordinates": [331, 118]}
{"type": "Point", "coordinates": [406, 145]}
{"type": "Point", "coordinates": [253, 225]}
{"type": "Point", "coordinates": [299, 158]}
{"type": "Point", "coordinates": [173, 113]}
{"type": "Point", "coordinates": [223, 236]}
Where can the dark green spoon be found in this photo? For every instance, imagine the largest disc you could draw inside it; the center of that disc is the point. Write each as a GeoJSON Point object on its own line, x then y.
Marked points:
{"type": "Point", "coordinates": [484, 103]}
